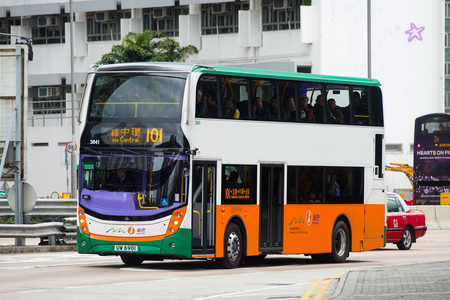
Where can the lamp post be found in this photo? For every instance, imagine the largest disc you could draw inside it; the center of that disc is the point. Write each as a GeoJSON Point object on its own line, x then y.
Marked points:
{"type": "Point", "coordinates": [73, 162]}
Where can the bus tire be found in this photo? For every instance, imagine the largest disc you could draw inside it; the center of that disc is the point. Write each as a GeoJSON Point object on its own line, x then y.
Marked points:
{"type": "Point", "coordinates": [340, 243]}
{"type": "Point", "coordinates": [131, 260]}
{"type": "Point", "coordinates": [406, 241]}
{"type": "Point", "coordinates": [232, 248]}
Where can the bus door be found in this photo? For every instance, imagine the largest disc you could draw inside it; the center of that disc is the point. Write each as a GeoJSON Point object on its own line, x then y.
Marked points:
{"type": "Point", "coordinates": [204, 205]}
{"type": "Point", "coordinates": [373, 223]}
{"type": "Point", "coordinates": [271, 208]}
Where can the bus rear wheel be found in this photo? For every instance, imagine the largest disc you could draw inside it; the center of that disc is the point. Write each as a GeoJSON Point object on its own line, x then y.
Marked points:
{"type": "Point", "coordinates": [131, 260]}
{"type": "Point", "coordinates": [232, 252]}
{"type": "Point", "coordinates": [340, 243]}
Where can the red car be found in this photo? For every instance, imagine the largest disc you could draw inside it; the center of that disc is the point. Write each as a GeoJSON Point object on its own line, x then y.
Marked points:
{"type": "Point", "coordinates": [404, 225]}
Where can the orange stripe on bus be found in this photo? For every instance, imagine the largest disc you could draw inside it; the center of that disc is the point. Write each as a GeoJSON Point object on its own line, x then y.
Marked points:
{"type": "Point", "coordinates": [127, 239]}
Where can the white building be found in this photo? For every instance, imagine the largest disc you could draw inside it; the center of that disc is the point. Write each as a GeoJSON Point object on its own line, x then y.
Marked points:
{"type": "Point", "coordinates": [408, 40]}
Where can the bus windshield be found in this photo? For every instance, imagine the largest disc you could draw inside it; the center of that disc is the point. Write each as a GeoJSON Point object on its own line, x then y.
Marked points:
{"type": "Point", "coordinates": [133, 185]}
{"type": "Point", "coordinates": [132, 96]}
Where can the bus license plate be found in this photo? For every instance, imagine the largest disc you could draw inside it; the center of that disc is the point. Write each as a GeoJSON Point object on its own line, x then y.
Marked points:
{"type": "Point", "coordinates": [125, 248]}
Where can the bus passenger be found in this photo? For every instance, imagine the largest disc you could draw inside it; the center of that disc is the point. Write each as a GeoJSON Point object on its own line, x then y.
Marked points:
{"type": "Point", "coordinates": [273, 109]}
{"type": "Point", "coordinates": [144, 94]}
{"type": "Point", "coordinates": [360, 110]}
{"type": "Point", "coordinates": [305, 183]}
{"type": "Point", "coordinates": [103, 96]}
{"type": "Point", "coordinates": [259, 111]}
{"type": "Point", "coordinates": [119, 181]}
{"type": "Point", "coordinates": [290, 110]}
{"type": "Point", "coordinates": [212, 110]}
{"type": "Point", "coordinates": [200, 106]}
{"type": "Point", "coordinates": [332, 187]}
{"type": "Point", "coordinates": [130, 95]}
{"type": "Point", "coordinates": [306, 114]}
{"type": "Point", "coordinates": [229, 111]}
{"type": "Point", "coordinates": [146, 109]}
{"type": "Point", "coordinates": [312, 198]}
{"type": "Point", "coordinates": [336, 115]}
{"type": "Point", "coordinates": [318, 110]}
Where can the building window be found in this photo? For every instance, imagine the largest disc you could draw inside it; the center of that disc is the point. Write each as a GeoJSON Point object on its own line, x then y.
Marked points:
{"type": "Point", "coordinates": [397, 148]}
{"type": "Point", "coordinates": [164, 19]}
{"type": "Point", "coordinates": [5, 27]}
{"type": "Point", "coordinates": [221, 18]}
{"type": "Point", "coordinates": [49, 29]}
{"type": "Point", "coordinates": [280, 14]}
{"type": "Point", "coordinates": [304, 69]}
{"type": "Point", "coordinates": [105, 25]}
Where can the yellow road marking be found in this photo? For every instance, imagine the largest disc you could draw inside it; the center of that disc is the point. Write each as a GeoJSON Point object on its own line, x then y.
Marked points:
{"type": "Point", "coordinates": [322, 289]}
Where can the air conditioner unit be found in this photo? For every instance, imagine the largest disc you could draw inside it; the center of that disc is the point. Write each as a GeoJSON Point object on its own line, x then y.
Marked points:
{"type": "Point", "coordinates": [29, 22]}
{"type": "Point", "coordinates": [221, 8]}
{"type": "Point", "coordinates": [159, 13]}
{"type": "Point", "coordinates": [44, 92]}
{"type": "Point", "coordinates": [104, 16]}
{"type": "Point", "coordinates": [282, 4]}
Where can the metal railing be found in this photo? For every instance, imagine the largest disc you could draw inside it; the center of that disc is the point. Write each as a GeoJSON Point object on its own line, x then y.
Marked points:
{"type": "Point", "coordinates": [63, 209]}
{"type": "Point", "coordinates": [51, 112]}
{"type": "Point", "coordinates": [45, 207]}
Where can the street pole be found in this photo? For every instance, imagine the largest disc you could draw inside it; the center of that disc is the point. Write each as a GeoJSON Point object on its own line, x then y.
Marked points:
{"type": "Point", "coordinates": [72, 154]}
{"type": "Point", "coordinates": [18, 151]}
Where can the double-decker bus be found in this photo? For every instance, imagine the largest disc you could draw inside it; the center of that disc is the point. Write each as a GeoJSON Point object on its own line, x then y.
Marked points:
{"type": "Point", "coordinates": [431, 158]}
{"type": "Point", "coordinates": [184, 161]}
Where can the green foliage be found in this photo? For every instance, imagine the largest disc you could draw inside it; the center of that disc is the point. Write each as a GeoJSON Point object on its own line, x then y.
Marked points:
{"type": "Point", "coordinates": [6, 220]}
{"type": "Point", "coordinates": [147, 46]}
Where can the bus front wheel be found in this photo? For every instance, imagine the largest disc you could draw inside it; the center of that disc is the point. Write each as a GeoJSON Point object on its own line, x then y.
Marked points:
{"type": "Point", "coordinates": [232, 252]}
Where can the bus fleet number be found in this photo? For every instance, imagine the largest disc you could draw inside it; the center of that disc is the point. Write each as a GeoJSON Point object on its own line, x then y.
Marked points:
{"type": "Point", "coordinates": [154, 135]}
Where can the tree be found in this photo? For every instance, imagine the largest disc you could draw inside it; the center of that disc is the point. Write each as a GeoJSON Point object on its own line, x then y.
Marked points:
{"type": "Point", "coordinates": [147, 46]}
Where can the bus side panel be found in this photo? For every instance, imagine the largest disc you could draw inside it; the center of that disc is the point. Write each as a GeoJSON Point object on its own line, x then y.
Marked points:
{"type": "Point", "coordinates": [308, 228]}
{"type": "Point", "coordinates": [249, 214]}
{"type": "Point", "coordinates": [374, 223]}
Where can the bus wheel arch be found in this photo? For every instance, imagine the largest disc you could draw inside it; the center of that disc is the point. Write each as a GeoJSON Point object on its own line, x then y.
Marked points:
{"type": "Point", "coordinates": [235, 244]}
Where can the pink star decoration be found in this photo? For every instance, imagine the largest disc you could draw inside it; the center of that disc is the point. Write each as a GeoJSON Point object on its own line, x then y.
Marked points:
{"type": "Point", "coordinates": [414, 32]}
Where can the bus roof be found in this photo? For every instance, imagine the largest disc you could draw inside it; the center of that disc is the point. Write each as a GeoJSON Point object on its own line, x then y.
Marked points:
{"type": "Point", "coordinates": [286, 75]}
{"type": "Point", "coordinates": [437, 116]}
{"type": "Point", "coordinates": [221, 70]}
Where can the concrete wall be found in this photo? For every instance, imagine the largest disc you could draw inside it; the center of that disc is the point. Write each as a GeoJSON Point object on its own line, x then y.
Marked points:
{"type": "Point", "coordinates": [437, 217]}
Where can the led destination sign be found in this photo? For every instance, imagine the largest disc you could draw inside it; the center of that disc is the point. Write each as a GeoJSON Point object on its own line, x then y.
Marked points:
{"type": "Point", "coordinates": [135, 135]}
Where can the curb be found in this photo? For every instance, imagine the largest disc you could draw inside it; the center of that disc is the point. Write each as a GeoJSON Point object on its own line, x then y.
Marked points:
{"type": "Point", "coordinates": [346, 286]}
{"type": "Point", "coordinates": [33, 249]}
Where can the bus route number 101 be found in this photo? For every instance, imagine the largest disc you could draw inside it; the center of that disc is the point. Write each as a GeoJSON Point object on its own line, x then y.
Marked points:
{"type": "Point", "coordinates": [154, 135]}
